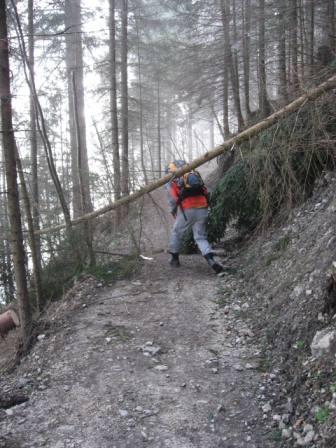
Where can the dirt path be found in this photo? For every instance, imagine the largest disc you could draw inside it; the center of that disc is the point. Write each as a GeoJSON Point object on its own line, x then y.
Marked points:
{"type": "Point", "coordinates": [152, 362]}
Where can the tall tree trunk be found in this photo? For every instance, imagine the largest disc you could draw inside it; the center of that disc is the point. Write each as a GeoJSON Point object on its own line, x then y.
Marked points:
{"type": "Point", "coordinates": [311, 32]}
{"type": "Point", "coordinates": [142, 155]}
{"type": "Point", "coordinates": [113, 105]}
{"type": "Point", "coordinates": [246, 8]}
{"type": "Point", "coordinates": [226, 125]}
{"type": "Point", "coordinates": [12, 187]}
{"type": "Point", "coordinates": [211, 131]}
{"type": "Point", "coordinates": [87, 227]}
{"type": "Point", "coordinates": [74, 63]}
{"type": "Point", "coordinates": [170, 134]}
{"type": "Point", "coordinates": [7, 270]}
{"type": "Point", "coordinates": [236, 62]}
{"type": "Point", "coordinates": [264, 105]}
{"type": "Point", "coordinates": [124, 98]}
{"type": "Point", "coordinates": [33, 136]}
{"type": "Point", "coordinates": [109, 175]}
{"type": "Point", "coordinates": [35, 254]}
{"type": "Point", "coordinates": [331, 24]}
{"type": "Point", "coordinates": [294, 44]}
{"type": "Point", "coordinates": [229, 61]}
{"type": "Point", "coordinates": [190, 140]}
{"type": "Point", "coordinates": [302, 31]}
{"type": "Point", "coordinates": [159, 147]}
{"type": "Point", "coordinates": [283, 92]}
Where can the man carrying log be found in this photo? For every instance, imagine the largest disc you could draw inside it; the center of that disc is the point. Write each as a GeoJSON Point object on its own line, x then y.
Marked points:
{"type": "Point", "coordinates": [188, 199]}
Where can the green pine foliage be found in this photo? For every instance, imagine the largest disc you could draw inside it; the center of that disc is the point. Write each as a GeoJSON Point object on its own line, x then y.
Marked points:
{"type": "Point", "coordinates": [234, 199]}
{"type": "Point", "coordinates": [275, 170]}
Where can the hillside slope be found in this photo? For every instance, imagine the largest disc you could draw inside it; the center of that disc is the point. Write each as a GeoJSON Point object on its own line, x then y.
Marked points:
{"type": "Point", "coordinates": [284, 275]}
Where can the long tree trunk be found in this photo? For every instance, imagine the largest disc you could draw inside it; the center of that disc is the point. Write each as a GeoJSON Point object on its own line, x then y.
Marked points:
{"type": "Point", "coordinates": [331, 24]}
{"type": "Point", "coordinates": [113, 101]}
{"type": "Point", "coordinates": [81, 181]}
{"type": "Point", "coordinates": [228, 60]}
{"type": "Point", "coordinates": [12, 187]}
{"type": "Point", "coordinates": [109, 174]}
{"type": "Point", "coordinates": [74, 63]}
{"type": "Point", "coordinates": [244, 136]}
{"type": "Point", "coordinates": [281, 16]}
{"type": "Point", "coordinates": [226, 125]}
{"type": "Point", "coordinates": [124, 98]}
{"type": "Point", "coordinates": [159, 146]}
{"type": "Point", "coordinates": [7, 267]}
{"type": "Point", "coordinates": [294, 44]}
{"type": "Point", "coordinates": [33, 136]}
{"type": "Point", "coordinates": [302, 35]}
{"type": "Point", "coordinates": [211, 131]}
{"type": "Point", "coordinates": [141, 127]}
{"type": "Point", "coordinates": [311, 33]}
{"type": "Point", "coordinates": [246, 8]}
{"type": "Point", "coordinates": [236, 65]}
{"type": "Point", "coordinates": [264, 106]}
{"type": "Point", "coordinates": [35, 253]}
{"type": "Point", "coordinates": [190, 140]}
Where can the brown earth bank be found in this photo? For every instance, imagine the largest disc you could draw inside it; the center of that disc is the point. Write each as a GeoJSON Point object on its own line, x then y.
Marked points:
{"type": "Point", "coordinates": [180, 358]}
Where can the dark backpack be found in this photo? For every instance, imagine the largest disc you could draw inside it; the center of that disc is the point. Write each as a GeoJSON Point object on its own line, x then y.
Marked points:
{"type": "Point", "coordinates": [191, 184]}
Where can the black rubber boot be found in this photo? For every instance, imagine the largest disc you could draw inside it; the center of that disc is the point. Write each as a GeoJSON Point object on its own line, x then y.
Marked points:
{"type": "Point", "coordinates": [174, 261]}
{"type": "Point", "coordinates": [214, 265]}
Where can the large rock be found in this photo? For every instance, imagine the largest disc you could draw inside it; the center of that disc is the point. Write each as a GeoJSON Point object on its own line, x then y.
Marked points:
{"type": "Point", "coordinates": [324, 343]}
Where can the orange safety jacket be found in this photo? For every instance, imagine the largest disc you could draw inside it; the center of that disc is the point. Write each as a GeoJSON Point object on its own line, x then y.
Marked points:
{"type": "Point", "coordinates": [191, 201]}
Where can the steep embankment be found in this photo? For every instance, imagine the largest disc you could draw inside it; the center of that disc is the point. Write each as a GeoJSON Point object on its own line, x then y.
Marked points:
{"type": "Point", "coordinates": [284, 275]}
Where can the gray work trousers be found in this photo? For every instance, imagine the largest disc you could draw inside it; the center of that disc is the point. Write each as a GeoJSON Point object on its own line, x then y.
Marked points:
{"type": "Point", "coordinates": [196, 219]}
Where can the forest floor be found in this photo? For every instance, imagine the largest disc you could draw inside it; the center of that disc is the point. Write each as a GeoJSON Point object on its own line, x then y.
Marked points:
{"type": "Point", "coordinates": [178, 358]}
